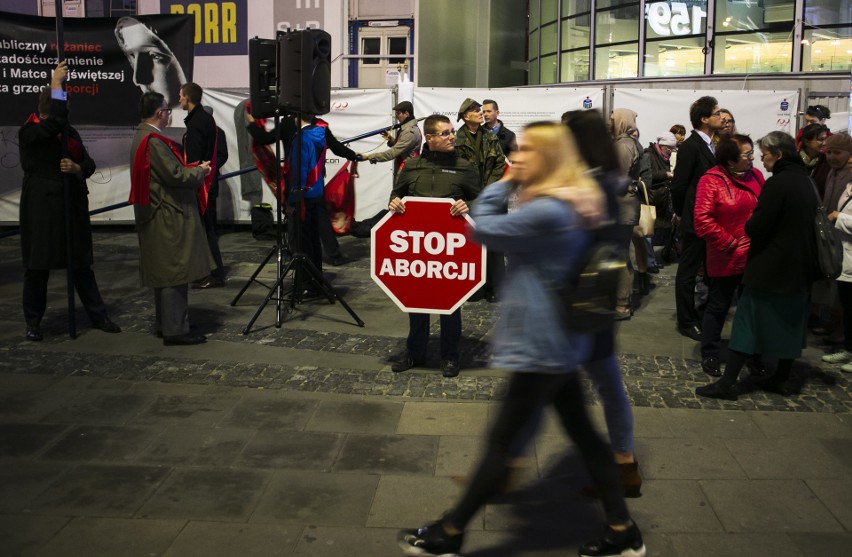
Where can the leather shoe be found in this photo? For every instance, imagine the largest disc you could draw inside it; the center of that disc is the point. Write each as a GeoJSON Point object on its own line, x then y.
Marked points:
{"type": "Point", "coordinates": [34, 333]}
{"type": "Point", "coordinates": [786, 387]}
{"type": "Point", "coordinates": [208, 282]}
{"type": "Point", "coordinates": [106, 326]}
{"type": "Point", "coordinates": [717, 390]}
{"type": "Point", "coordinates": [183, 340]}
{"type": "Point", "coordinates": [710, 366]}
{"type": "Point", "coordinates": [405, 363]}
{"type": "Point", "coordinates": [450, 368]}
{"type": "Point", "coordinates": [691, 331]}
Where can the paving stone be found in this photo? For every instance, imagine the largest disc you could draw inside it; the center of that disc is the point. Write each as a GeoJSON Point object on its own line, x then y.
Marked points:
{"type": "Point", "coordinates": [687, 459]}
{"type": "Point", "coordinates": [201, 410]}
{"type": "Point", "coordinates": [21, 481]}
{"type": "Point", "coordinates": [457, 455]}
{"type": "Point", "coordinates": [734, 544]}
{"type": "Point", "coordinates": [328, 541]}
{"type": "Point", "coordinates": [443, 419]}
{"type": "Point", "coordinates": [25, 535]}
{"type": "Point", "coordinates": [317, 498]}
{"type": "Point", "coordinates": [105, 443]}
{"type": "Point", "coordinates": [270, 412]}
{"type": "Point", "coordinates": [96, 490]}
{"type": "Point", "coordinates": [289, 449]}
{"type": "Point", "coordinates": [219, 539]}
{"type": "Point", "coordinates": [796, 425]}
{"type": "Point", "coordinates": [388, 454]}
{"type": "Point", "coordinates": [671, 506]}
{"type": "Point", "coordinates": [835, 495]}
{"type": "Point", "coordinates": [356, 416]}
{"type": "Point", "coordinates": [726, 424]}
{"type": "Point", "coordinates": [412, 501]}
{"type": "Point", "coordinates": [108, 409]}
{"type": "Point", "coordinates": [87, 537]}
{"type": "Point", "coordinates": [19, 440]}
{"type": "Point", "coordinates": [768, 506]}
{"type": "Point", "coordinates": [819, 545]}
{"type": "Point", "coordinates": [788, 459]}
{"type": "Point", "coordinates": [196, 446]}
{"type": "Point", "coordinates": [207, 494]}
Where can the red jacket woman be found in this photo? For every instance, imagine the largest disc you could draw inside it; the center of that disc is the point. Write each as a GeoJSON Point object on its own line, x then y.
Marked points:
{"type": "Point", "coordinates": [724, 201]}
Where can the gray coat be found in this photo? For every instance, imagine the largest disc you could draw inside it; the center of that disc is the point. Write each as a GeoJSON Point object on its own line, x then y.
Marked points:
{"type": "Point", "coordinates": [173, 247]}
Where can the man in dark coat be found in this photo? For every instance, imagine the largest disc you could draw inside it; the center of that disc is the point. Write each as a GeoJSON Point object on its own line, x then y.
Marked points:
{"type": "Point", "coordinates": [438, 172]}
{"type": "Point", "coordinates": [42, 210]}
{"type": "Point", "coordinates": [695, 156]}
{"type": "Point", "coordinates": [200, 144]}
{"type": "Point", "coordinates": [491, 115]}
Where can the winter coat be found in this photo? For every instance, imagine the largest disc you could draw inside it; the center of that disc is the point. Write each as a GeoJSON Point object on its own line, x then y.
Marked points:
{"type": "Point", "coordinates": [173, 247]}
{"type": "Point", "coordinates": [42, 209]}
{"type": "Point", "coordinates": [488, 158]}
{"type": "Point", "coordinates": [629, 153]}
{"type": "Point", "coordinates": [835, 186]}
{"type": "Point", "coordinates": [544, 242]}
{"type": "Point", "coordinates": [312, 147]}
{"type": "Point", "coordinates": [843, 225]}
{"type": "Point", "coordinates": [722, 207]}
{"type": "Point", "coordinates": [782, 257]}
{"type": "Point", "coordinates": [406, 145]}
{"type": "Point", "coordinates": [437, 174]}
{"type": "Point", "coordinates": [508, 139]}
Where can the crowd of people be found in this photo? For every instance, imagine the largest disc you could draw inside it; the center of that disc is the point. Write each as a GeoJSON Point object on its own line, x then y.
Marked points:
{"type": "Point", "coordinates": [541, 202]}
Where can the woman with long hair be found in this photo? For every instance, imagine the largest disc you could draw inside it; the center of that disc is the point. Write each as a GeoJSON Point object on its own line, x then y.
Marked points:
{"type": "Point", "coordinates": [544, 239]}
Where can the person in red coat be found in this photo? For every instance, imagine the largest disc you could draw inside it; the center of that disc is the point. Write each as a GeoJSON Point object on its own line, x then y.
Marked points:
{"type": "Point", "coordinates": [724, 200]}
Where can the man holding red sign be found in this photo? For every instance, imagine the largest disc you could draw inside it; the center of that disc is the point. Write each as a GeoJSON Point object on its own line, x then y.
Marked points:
{"type": "Point", "coordinates": [438, 172]}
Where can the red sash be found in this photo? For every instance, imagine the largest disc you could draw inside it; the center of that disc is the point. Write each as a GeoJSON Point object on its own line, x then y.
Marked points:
{"type": "Point", "coordinates": [265, 160]}
{"type": "Point", "coordinates": [75, 146]}
{"type": "Point", "coordinates": [140, 176]}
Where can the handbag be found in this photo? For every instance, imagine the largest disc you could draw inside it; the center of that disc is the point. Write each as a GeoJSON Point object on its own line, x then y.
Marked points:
{"type": "Point", "coordinates": [829, 250]}
{"type": "Point", "coordinates": [647, 213]}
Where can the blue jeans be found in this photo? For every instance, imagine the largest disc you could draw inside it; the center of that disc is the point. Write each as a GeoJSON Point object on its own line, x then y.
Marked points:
{"type": "Point", "coordinates": [652, 259]}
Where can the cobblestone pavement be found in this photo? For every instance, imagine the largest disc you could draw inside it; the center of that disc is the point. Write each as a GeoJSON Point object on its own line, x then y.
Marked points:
{"type": "Point", "coordinates": [666, 380]}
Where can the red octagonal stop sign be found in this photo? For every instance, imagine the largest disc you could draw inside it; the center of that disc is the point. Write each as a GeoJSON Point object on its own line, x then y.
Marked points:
{"type": "Point", "coordinates": [423, 258]}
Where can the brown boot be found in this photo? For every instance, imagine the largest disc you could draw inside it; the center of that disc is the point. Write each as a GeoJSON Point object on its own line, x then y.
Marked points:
{"type": "Point", "coordinates": [630, 479]}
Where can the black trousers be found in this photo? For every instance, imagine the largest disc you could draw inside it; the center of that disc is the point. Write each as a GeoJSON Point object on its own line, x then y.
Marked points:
{"type": "Point", "coordinates": [527, 394]}
{"type": "Point", "coordinates": [495, 270]}
{"type": "Point", "coordinates": [209, 219]}
{"type": "Point", "coordinates": [308, 235]}
{"type": "Point", "coordinates": [691, 260]}
{"type": "Point", "coordinates": [844, 292]}
{"type": "Point", "coordinates": [35, 294]}
{"type": "Point", "coordinates": [418, 335]}
{"type": "Point", "coordinates": [719, 300]}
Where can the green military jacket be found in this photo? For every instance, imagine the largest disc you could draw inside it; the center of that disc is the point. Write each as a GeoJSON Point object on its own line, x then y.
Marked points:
{"type": "Point", "coordinates": [488, 159]}
{"type": "Point", "coordinates": [442, 175]}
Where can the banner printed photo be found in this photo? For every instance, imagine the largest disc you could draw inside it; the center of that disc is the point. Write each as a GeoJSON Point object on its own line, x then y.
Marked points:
{"type": "Point", "coordinates": [111, 62]}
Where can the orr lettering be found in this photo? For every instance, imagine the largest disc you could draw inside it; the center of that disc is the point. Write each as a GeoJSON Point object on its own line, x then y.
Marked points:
{"type": "Point", "coordinates": [215, 23]}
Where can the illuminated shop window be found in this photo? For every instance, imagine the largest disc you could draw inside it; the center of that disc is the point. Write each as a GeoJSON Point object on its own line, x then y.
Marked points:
{"type": "Point", "coordinates": [575, 66]}
{"type": "Point", "coordinates": [753, 53]}
{"type": "Point", "coordinates": [827, 50]}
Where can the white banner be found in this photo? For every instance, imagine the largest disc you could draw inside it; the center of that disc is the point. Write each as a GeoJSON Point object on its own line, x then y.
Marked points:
{"type": "Point", "coordinates": [518, 107]}
{"type": "Point", "coordinates": [756, 113]}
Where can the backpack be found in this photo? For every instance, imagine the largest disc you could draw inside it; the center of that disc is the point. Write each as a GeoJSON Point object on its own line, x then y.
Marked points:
{"type": "Point", "coordinates": [587, 303]}
{"type": "Point", "coordinates": [829, 250]}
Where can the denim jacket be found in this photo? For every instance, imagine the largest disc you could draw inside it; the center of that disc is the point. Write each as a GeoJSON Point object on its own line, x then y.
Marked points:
{"type": "Point", "coordinates": [543, 241]}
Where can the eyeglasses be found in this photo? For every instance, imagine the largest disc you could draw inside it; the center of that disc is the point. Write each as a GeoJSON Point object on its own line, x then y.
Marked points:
{"type": "Point", "coordinates": [717, 113]}
{"type": "Point", "coordinates": [445, 133]}
{"type": "Point", "coordinates": [748, 155]}
{"type": "Point", "coordinates": [166, 110]}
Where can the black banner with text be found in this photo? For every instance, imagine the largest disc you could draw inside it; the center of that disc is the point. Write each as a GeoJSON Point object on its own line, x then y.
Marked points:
{"type": "Point", "coordinates": [111, 62]}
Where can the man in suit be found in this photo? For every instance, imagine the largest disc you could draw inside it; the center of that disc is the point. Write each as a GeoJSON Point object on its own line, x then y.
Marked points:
{"type": "Point", "coordinates": [695, 157]}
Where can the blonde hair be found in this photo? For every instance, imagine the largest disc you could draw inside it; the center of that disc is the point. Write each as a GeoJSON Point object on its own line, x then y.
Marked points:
{"type": "Point", "coordinates": [562, 164]}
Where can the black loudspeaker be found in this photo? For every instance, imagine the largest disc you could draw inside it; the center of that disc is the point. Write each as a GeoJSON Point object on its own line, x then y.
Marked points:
{"type": "Point", "coordinates": [304, 71]}
{"type": "Point", "coordinates": [263, 72]}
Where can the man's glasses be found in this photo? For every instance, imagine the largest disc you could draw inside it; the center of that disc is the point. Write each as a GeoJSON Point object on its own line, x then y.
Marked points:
{"type": "Point", "coordinates": [445, 133]}
{"type": "Point", "coordinates": [166, 110]}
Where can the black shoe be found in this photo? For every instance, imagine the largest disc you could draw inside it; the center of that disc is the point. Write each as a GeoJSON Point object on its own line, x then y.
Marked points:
{"type": "Point", "coordinates": [654, 270]}
{"type": "Point", "coordinates": [183, 340]}
{"type": "Point", "coordinates": [430, 540]}
{"type": "Point", "coordinates": [756, 367]}
{"type": "Point", "coordinates": [710, 366]}
{"type": "Point", "coordinates": [692, 331]}
{"type": "Point", "coordinates": [786, 387]}
{"type": "Point", "coordinates": [612, 543]}
{"type": "Point", "coordinates": [717, 390]}
{"type": "Point", "coordinates": [34, 333]}
{"type": "Point", "coordinates": [644, 284]}
{"type": "Point", "coordinates": [106, 325]}
{"type": "Point", "coordinates": [209, 281]}
{"type": "Point", "coordinates": [405, 363]}
{"type": "Point", "coordinates": [450, 368]}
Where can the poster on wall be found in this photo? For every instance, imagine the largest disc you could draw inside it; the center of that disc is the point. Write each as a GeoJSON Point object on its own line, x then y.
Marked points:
{"type": "Point", "coordinates": [111, 62]}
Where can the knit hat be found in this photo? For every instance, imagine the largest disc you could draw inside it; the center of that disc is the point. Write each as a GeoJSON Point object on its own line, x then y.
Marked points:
{"type": "Point", "coordinates": [667, 139]}
{"type": "Point", "coordinates": [468, 104]}
{"type": "Point", "coordinates": [840, 142]}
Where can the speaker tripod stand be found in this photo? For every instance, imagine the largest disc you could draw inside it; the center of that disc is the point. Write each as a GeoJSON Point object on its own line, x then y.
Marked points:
{"type": "Point", "coordinates": [298, 262]}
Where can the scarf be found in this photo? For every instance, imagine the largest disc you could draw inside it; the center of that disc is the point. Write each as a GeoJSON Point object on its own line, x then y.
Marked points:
{"type": "Point", "coordinates": [140, 176]}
